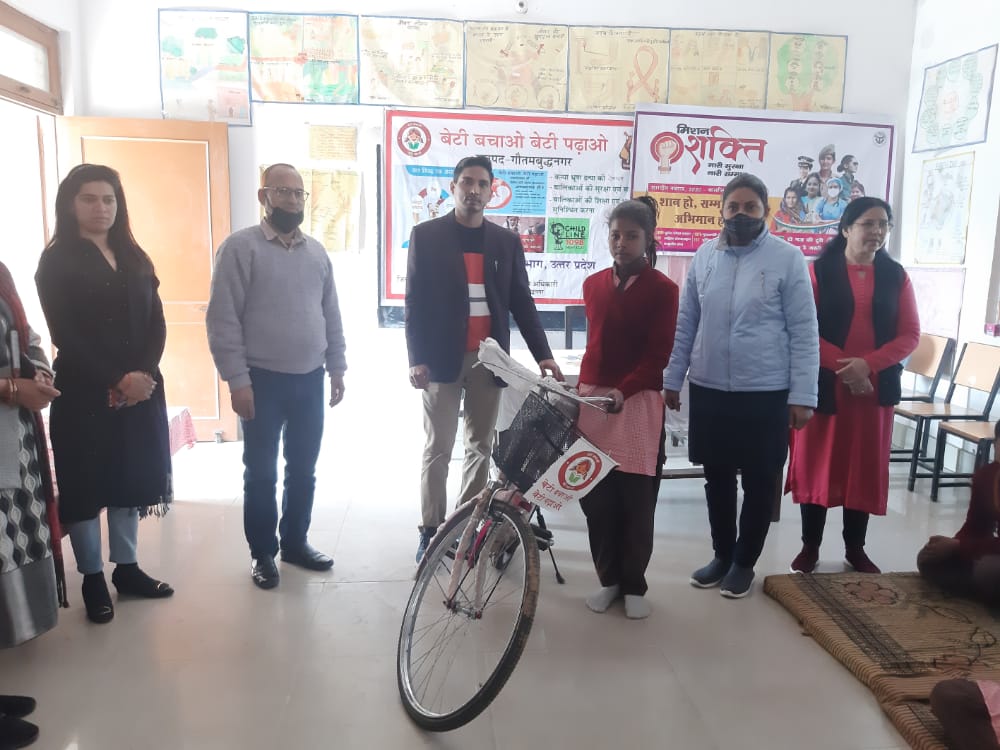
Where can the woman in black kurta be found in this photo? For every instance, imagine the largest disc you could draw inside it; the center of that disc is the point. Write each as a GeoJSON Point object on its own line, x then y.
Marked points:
{"type": "Point", "coordinates": [109, 432]}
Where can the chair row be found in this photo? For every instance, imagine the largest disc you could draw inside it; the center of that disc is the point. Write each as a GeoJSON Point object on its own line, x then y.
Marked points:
{"type": "Point", "coordinates": [977, 373]}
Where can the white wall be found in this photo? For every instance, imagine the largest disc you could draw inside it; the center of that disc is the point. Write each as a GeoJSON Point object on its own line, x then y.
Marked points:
{"type": "Point", "coordinates": [122, 66]}
{"type": "Point", "coordinates": [64, 17]}
{"type": "Point", "coordinates": [946, 29]}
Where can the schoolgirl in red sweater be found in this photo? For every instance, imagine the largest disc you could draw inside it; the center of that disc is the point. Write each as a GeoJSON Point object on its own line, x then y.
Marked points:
{"type": "Point", "coordinates": [631, 316]}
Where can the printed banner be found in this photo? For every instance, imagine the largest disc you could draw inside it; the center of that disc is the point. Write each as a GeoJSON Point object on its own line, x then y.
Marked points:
{"type": "Point", "coordinates": [613, 69]}
{"type": "Point", "coordinates": [415, 62]}
{"type": "Point", "coordinates": [570, 478]}
{"type": "Point", "coordinates": [943, 213]}
{"type": "Point", "coordinates": [554, 179]}
{"type": "Point", "coordinates": [298, 58]}
{"type": "Point", "coordinates": [204, 70]}
{"type": "Point", "coordinates": [812, 164]}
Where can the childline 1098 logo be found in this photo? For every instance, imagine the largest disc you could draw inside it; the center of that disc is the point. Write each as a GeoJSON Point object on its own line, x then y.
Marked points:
{"type": "Point", "coordinates": [579, 470]}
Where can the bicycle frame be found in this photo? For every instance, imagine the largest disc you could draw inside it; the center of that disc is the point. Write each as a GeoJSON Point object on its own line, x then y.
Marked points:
{"type": "Point", "coordinates": [470, 550]}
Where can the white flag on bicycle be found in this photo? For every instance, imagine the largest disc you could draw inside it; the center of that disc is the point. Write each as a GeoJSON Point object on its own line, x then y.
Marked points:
{"type": "Point", "coordinates": [570, 478]}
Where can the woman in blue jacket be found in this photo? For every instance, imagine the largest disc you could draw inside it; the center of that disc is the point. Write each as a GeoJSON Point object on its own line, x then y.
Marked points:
{"type": "Point", "coordinates": [747, 340]}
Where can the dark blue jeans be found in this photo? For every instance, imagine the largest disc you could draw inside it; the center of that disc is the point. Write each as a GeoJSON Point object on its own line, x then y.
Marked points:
{"type": "Point", "coordinates": [288, 407]}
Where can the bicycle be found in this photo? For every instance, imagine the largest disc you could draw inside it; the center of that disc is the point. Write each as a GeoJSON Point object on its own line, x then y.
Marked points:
{"type": "Point", "coordinates": [473, 602]}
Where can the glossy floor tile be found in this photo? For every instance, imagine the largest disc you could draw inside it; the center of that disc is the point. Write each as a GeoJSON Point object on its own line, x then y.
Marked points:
{"type": "Point", "coordinates": [311, 664]}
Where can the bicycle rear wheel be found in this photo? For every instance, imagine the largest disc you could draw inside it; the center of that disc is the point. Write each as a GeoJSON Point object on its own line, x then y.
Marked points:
{"type": "Point", "coordinates": [453, 658]}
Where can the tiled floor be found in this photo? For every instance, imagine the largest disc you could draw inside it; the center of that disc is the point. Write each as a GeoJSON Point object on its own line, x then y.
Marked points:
{"type": "Point", "coordinates": [312, 664]}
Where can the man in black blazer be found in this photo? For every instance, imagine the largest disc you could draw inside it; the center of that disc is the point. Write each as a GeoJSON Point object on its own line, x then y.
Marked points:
{"type": "Point", "coordinates": [465, 277]}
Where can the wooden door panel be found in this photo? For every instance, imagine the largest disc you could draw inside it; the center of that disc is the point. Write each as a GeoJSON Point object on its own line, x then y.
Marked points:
{"type": "Point", "coordinates": [189, 368]}
{"type": "Point", "coordinates": [176, 180]}
{"type": "Point", "coordinates": [169, 219]}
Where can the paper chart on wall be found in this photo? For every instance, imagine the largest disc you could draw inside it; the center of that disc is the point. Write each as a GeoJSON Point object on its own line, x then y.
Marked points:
{"type": "Point", "coordinates": [938, 292]}
{"type": "Point", "coordinates": [412, 61]}
{"type": "Point", "coordinates": [943, 211]}
{"type": "Point", "coordinates": [807, 72]}
{"type": "Point", "coordinates": [204, 73]}
{"type": "Point", "coordinates": [333, 143]}
{"type": "Point", "coordinates": [955, 101]}
{"type": "Point", "coordinates": [718, 68]}
{"type": "Point", "coordinates": [304, 58]}
{"type": "Point", "coordinates": [332, 211]}
{"type": "Point", "coordinates": [516, 66]}
{"type": "Point", "coordinates": [613, 69]}
{"type": "Point", "coordinates": [334, 202]}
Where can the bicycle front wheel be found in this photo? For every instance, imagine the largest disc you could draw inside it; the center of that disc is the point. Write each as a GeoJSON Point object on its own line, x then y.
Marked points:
{"type": "Point", "coordinates": [455, 654]}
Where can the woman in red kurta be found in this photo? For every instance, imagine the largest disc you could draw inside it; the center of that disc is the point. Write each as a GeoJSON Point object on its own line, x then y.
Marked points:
{"type": "Point", "coordinates": [631, 317]}
{"type": "Point", "coordinates": [867, 325]}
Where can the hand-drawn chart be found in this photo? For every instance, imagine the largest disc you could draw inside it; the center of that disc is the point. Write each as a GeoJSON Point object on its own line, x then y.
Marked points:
{"type": "Point", "coordinates": [204, 73]}
{"type": "Point", "coordinates": [807, 72]}
{"type": "Point", "coordinates": [943, 211]}
{"type": "Point", "coordinates": [298, 58]}
{"type": "Point", "coordinates": [613, 69]}
{"type": "Point", "coordinates": [718, 68]}
{"type": "Point", "coordinates": [955, 102]}
{"type": "Point", "coordinates": [516, 66]}
{"type": "Point", "coordinates": [411, 61]}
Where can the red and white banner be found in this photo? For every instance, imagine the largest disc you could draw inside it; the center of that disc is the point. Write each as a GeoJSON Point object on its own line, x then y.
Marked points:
{"type": "Point", "coordinates": [555, 178]}
{"type": "Point", "coordinates": [812, 164]}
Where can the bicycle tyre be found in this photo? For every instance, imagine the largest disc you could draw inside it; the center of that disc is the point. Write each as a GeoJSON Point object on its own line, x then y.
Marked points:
{"type": "Point", "coordinates": [468, 708]}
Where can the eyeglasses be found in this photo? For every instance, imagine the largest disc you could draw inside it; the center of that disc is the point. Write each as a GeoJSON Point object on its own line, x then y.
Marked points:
{"type": "Point", "coordinates": [882, 226]}
{"type": "Point", "coordinates": [285, 193]}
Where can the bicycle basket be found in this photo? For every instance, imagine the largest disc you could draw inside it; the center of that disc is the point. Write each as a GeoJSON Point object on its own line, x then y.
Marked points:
{"type": "Point", "coordinates": [539, 434]}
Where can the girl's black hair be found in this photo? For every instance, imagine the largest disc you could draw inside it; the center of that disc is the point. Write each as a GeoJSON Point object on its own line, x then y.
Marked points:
{"type": "Point", "coordinates": [746, 180]}
{"type": "Point", "coordinates": [643, 211]}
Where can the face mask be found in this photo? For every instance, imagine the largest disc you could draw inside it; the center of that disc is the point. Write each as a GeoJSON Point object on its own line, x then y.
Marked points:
{"type": "Point", "coordinates": [743, 229]}
{"type": "Point", "coordinates": [285, 221]}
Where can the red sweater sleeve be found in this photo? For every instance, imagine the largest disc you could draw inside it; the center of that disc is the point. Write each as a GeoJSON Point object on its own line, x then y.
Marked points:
{"type": "Point", "coordinates": [662, 311]}
{"type": "Point", "coordinates": [907, 333]}
{"type": "Point", "coordinates": [828, 353]}
{"type": "Point", "coordinates": [977, 537]}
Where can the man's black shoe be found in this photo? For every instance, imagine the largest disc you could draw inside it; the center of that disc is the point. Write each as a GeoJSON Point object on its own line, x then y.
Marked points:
{"type": "Point", "coordinates": [17, 706]}
{"type": "Point", "coordinates": [264, 572]}
{"type": "Point", "coordinates": [16, 732]}
{"type": "Point", "coordinates": [307, 557]}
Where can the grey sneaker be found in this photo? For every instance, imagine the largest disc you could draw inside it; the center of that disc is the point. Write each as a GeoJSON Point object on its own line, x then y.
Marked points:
{"type": "Point", "coordinates": [710, 575]}
{"type": "Point", "coordinates": [426, 534]}
{"type": "Point", "coordinates": [737, 582]}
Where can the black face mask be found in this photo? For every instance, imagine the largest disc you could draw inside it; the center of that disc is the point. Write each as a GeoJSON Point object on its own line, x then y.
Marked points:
{"type": "Point", "coordinates": [285, 221]}
{"type": "Point", "coordinates": [743, 229]}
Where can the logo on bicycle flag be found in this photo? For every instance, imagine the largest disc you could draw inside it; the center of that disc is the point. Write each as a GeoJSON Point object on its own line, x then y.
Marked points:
{"type": "Point", "coordinates": [579, 470]}
{"type": "Point", "coordinates": [571, 477]}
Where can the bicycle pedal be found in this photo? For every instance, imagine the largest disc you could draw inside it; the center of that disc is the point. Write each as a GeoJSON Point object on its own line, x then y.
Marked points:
{"type": "Point", "coordinates": [545, 544]}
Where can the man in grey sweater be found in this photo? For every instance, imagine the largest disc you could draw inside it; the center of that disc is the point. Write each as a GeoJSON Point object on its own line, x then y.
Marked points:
{"type": "Point", "coordinates": [273, 326]}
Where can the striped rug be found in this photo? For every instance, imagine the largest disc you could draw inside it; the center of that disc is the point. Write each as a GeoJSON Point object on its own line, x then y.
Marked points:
{"type": "Point", "coordinates": [897, 634]}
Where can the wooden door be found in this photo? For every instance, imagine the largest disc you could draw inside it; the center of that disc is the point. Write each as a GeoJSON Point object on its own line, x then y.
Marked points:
{"type": "Point", "coordinates": [176, 180]}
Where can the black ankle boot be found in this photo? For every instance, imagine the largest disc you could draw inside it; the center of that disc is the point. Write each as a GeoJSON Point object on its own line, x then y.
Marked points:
{"type": "Point", "coordinates": [131, 580]}
{"type": "Point", "coordinates": [97, 599]}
